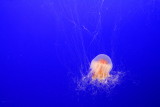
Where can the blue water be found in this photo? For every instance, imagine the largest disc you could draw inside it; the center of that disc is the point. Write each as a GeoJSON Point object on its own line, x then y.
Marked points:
{"type": "Point", "coordinates": [46, 46]}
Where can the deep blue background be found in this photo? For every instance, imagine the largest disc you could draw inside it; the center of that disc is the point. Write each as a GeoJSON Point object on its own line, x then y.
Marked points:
{"type": "Point", "coordinates": [44, 44]}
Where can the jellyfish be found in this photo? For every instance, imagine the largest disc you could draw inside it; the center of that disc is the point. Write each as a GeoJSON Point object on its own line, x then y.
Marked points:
{"type": "Point", "coordinates": [100, 67]}
{"type": "Point", "coordinates": [100, 75]}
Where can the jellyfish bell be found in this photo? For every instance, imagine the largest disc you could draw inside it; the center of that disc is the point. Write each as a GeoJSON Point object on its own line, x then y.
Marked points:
{"type": "Point", "coordinates": [100, 67]}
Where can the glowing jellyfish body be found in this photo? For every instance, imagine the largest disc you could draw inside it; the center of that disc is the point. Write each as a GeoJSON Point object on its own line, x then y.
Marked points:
{"type": "Point", "coordinates": [100, 67]}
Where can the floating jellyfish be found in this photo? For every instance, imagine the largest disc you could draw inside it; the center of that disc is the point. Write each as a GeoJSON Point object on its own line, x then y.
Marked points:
{"type": "Point", "coordinates": [100, 67]}
{"type": "Point", "coordinates": [100, 76]}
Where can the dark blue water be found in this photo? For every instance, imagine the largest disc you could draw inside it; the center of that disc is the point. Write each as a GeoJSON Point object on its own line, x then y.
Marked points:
{"type": "Point", "coordinates": [45, 46]}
